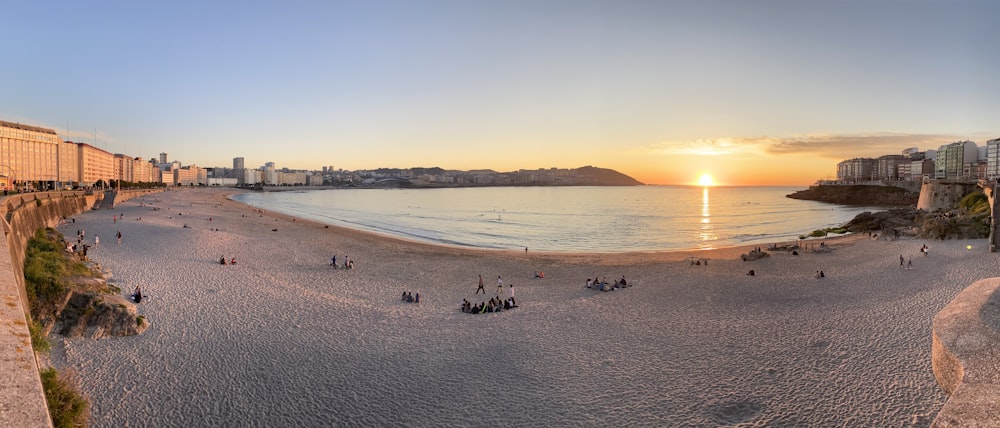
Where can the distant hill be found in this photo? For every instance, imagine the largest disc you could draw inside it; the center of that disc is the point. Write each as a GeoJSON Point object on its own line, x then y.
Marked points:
{"type": "Point", "coordinates": [605, 177]}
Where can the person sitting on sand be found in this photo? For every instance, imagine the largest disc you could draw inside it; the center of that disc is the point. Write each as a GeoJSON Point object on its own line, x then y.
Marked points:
{"type": "Point", "coordinates": [137, 294]}
{"type": "Point", "coordinates": [589, 282]}
{"type": "Point", "coordinates": [622, 282]}
{"type": "Point", "coordinates": [233, 261]}
{"type": "Point", "coordinates": [751, 273]}
{"type": "Point", "coordinates": [222, 260]}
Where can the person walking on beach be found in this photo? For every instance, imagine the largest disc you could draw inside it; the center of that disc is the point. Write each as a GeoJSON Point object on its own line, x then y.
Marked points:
{"type": "Point", "coordinates": [480, 285]}
{"type": "Point", "coordinates": [97, 241]}
{"type": "Point", "coordinates": [499, 285]}
{"type": "Point", "coordinates": [119, 236]}
{"type": "Point", "coordinates": [901, 260]}
{"type": "Point", "coordinates": [909, 263]}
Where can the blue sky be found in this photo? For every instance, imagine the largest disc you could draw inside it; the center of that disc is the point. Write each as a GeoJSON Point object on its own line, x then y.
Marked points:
{"type": "Point", "coordinates": [753, 92]}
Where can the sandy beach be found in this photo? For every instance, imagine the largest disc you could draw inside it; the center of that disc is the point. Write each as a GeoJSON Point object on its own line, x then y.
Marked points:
{"type": "Point", "coordinates": [283, 339]}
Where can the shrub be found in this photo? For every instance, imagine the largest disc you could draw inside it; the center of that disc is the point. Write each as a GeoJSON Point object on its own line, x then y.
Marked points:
{"type": "Point", "coordinates": [38, 340]}
{"type": "Point", "coordinates": [67, 406]}
{"type": "Point", "coordinates": [975, 203]}
{"type": "Point", "coordinates": [140, 321]}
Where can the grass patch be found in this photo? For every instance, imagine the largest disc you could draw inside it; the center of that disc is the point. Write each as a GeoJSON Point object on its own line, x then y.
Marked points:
{"type": "Point", "coordinates": [140, 321]}
{"type": "Point", "coordinates": [67, 406]}
{"type": "Point", "coordinates": [38, 340]}
{"type": "Point", "coordinates": [45, 266]}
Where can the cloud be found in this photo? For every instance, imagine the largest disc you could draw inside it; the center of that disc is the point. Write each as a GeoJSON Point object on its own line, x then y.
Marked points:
{"type": "Point", "coordinates": [832, 146]}
{"type": "Point", "coordinates": [706, 147]}
{"type": "Point", "coordinates": [858, 145]}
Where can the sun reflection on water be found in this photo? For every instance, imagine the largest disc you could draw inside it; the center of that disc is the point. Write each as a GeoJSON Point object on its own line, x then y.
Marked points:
{"type": "Point", "coordinates": [706, 235]}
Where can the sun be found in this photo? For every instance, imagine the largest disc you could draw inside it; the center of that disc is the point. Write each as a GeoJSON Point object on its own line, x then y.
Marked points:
{"type": "Point", "coordinates": [705, 180]}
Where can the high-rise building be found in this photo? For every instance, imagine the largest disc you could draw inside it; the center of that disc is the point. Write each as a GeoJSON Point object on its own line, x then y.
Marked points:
{"type": "Point", "coordinates": [163, 158]}
{"type": "Point", "coordinates": [238, 163]}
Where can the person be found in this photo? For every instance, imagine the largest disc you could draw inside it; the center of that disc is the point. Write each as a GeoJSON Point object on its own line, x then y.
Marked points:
{"type": "Point", "coordinates": [512, 290]}
{"type": "Point", "coordinates": [97, 241]}
{"type": "Point", "coordinates": [499, 285]}
{"type": "Point", "coordinates": [623, 283]}
{"type": "Point", "coordinates": [416, 299]}
{"type": "Point", "coordinates": [901, 260]}
{"type": "Point", "coordinates": [403, 298]}
{"type": "Point", "coordinates": [222, 260]}
{"type": "Point", "coordinates": [751, 273]}
{"type": "Point", "coordinates": [137, 294]}
{"type": "Point", "coordinates": [119, 236]}
{"type": "Point", "coordinates": [333, 261]}
{"type": "Point", "coordinates": [480, 285]}
{"type": "Point", "coordinates": [909, 263]}
{"type": "Point", "coordinates": [233, 261]}
{"type": "Point", "coordinates": [589, 282]}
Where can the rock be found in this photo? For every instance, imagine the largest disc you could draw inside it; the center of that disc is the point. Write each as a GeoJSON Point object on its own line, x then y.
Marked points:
{"type": "Point", "coordinates": [96, 315]}
{"type": "Point", "coordinates": [858, 195]}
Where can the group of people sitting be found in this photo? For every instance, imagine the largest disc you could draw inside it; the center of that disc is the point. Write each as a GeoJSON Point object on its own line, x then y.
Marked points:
{"type": "Point", "coordinates": [222, 261]}
{"type": "Point", "coordinates": [495, 304]}
{"type": "Point", "coordinates": [603, 285]}
{"type": "Point", "coordinates": [410, 298]}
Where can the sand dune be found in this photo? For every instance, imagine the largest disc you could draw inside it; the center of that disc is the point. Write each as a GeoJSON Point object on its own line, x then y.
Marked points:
{"type": "Point", "coordinates": [283, 339]}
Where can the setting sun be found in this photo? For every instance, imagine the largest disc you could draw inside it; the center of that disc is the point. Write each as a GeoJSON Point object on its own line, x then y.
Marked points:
{"type": "Point", "coordinates": [705, 180]}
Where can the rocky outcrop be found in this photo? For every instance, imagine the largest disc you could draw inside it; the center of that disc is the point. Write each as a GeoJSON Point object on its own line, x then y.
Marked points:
{"type": "Point", "coordinates": [858, 195]}
{"type": "Point", "coordinates": [951, 224]}
{"type": "Point", "coordinates": [96, 315]}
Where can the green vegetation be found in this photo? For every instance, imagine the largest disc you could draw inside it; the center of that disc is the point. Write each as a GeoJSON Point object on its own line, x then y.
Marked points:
{"type": "Point", "coordinates": [819, 233]}
{"type": "Point", "coordinates": [38, 340]}
{"type": "Point", "coordinates": [45, 266]}
{"type": "Point", "coordinates": [975, 203]}
{"type": "Point", "coordinates": [140, 321]}
{"type": "Point", "coordinates": [67, 406]}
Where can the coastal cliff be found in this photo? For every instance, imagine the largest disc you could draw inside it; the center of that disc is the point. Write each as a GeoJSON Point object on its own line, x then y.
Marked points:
{"type": "Point", "coordinates": [858, 195]}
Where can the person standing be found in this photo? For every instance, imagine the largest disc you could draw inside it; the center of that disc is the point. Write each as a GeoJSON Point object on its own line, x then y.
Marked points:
{"type": "Point", "coordinates": [119, 236]}
{"type": "Point", "coordinates": [499, 285]}
{"type": "Point", "coordinates": [480, 285]}
{"type": "Point", "coordinates": [97, 241]}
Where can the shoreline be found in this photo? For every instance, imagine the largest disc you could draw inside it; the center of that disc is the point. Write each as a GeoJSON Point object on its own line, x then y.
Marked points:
{"type": "Point", "coordinates": [623, 257]}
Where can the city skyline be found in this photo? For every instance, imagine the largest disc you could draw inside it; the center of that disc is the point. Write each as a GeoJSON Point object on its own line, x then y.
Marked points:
{"type": "Point", "coordinates": [763, 93]}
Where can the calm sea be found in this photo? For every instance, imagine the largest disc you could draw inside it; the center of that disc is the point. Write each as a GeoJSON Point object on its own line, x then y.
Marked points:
{"type": "Point", "coordinates": [568, 219]}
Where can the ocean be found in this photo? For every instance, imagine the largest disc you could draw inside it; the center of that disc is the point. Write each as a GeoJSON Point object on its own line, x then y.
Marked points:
{"type": "Point", "coordinates": [568, 219]}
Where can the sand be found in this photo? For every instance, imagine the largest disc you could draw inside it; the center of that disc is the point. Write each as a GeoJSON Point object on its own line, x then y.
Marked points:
{"type": "Point", "coordinates": [283, 339]}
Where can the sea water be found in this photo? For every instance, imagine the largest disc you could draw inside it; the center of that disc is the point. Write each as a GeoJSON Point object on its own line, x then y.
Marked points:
{"type": "Point", "coordinates": [568, 219]}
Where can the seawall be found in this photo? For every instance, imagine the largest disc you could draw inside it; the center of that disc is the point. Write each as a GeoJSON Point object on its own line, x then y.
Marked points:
{"type": "Point", "coordinates": [965, 351]}
{"type": "Point", "coordinates": [22, 401]}
{"type": "Point", "coordinates": [944, 194]}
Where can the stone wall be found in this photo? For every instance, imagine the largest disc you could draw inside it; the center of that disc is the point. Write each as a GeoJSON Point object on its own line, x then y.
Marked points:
{"type": "Point", "coordinates": [941, 194]}
{"type": "Point", "coordinates": [965, 350]}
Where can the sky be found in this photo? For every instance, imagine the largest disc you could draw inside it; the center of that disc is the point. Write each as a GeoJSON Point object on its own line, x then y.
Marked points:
{"type": "Point", "coordinates": [750, 92]}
